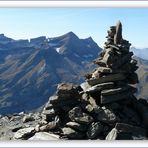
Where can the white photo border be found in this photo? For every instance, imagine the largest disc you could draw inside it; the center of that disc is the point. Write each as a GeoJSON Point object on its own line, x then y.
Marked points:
{"type": "Point", "coordinates": [74, 4]}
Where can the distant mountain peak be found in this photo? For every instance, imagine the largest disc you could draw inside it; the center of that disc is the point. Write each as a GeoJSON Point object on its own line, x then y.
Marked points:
{"type": "Point", "coordinates": [71, 35]}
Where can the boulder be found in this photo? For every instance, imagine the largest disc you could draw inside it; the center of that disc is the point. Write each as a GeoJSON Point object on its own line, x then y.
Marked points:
{"type": "Point", "coordinates": [24, 133]}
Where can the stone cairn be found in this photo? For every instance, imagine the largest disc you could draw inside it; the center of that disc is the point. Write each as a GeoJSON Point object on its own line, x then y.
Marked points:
{"type": "Point", "coordinates": [103, 107]}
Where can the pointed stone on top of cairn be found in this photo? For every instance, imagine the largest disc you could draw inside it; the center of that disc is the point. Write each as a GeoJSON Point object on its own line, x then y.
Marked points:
{"type": "Point", "coordinates": [118, 34]}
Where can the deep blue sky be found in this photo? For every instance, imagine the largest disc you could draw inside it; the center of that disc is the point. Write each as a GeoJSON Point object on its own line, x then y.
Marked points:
{"type": "Point", "coordinates": [25, 23]}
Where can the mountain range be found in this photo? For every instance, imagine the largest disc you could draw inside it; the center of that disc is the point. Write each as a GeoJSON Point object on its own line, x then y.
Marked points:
{"type": "Point", "coordinates": [142, 52]}
{"type": "Point", "coordinates": [31, 69]}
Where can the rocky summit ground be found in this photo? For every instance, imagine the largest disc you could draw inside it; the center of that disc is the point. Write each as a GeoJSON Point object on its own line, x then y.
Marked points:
{"type": "Point", "coordinates": [103, 107]}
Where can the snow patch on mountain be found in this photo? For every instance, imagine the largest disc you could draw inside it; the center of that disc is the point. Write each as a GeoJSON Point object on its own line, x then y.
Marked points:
{"type": "Point", "coordinates": [58, 49]}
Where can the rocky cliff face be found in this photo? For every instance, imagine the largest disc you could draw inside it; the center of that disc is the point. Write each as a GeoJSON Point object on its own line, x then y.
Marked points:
{"type": "Point", "coordinates": [103, 107]}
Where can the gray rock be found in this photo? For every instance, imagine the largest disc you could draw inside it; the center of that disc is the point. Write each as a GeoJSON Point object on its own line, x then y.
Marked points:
{"type": "Point", "coordinates": [85, 97]}
{"type": "Point", "coordinates": [105, 115]}
{"type": "Point", "coordinates": [122, 127]}
{"type": "Point", "coordinates": [57, 101]}
{"type": "Point", "coordinates": [118, 90]}
{"type": "Point", "coordinates": [77, 115]}
{"type": "Point", "coordinates": [108, 57]}
{"type": "Point", "coordinates": [109, 78]}
{"type": "Point", "coordinates": [124, 131]}
{"type": "Point", "coordinates": [72, 134]}
{"type": "Point", "coordinates": [114, 47]}
{"type": "Point", "coordinates": [49, 114]}
{"type": "Point", "coordinates": [24, 133]}
{"type": "Point", "coordinates": [50, 126]}
{"type": "Point", "coordinates": [66, 90]}
{"type": "Point", "coordinates": [28, 118]}
{"type": "Point", "coordinates": [92, 102]}
{"type": "Point", "coordinates": [89, 108]}
{"type": "Point", "coordinates": [37, 128]}
{"type": "Point", "coordinates": [94, 130]}
{"type": "Point", "coordinates": [85, 86]}
{"type": "Point", "coordinates": [99, 87]}
{"type": "Point", "coordinates": [124, 60]}
{"type": "Point", "coordinates": [112, 135]}
{"type": "Point", "coordinates": [48, 106]}
{"type": "Point", "coordinates": [118, 34]}
{"type": "Point", "coordinates": [116, 97]}
{"type": "Point", "coordinates": [44, 136]}
{"type": "Point", "coordinates": [77, 126]}
{"type": "Point", "coordinates": [101, 70]}
{"type": "Point", "coordinates": [105, 70]}
{"type": "Point", "coordinates": [54, 99]}
{"type": "Point", "coordinates": [17, 127]}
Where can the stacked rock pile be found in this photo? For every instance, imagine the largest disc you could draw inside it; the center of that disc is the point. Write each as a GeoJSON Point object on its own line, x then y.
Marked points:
{"type": "Point", "coordinates": [103, 107]}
